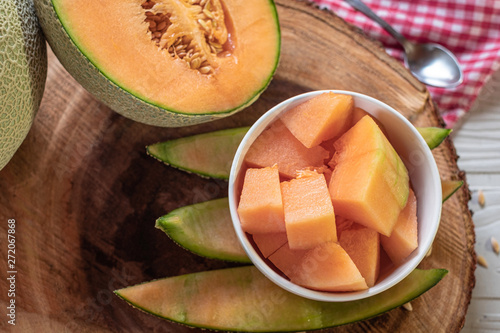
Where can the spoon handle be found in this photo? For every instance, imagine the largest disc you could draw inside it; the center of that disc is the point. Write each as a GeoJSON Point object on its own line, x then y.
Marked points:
{"type": "Point", "coordinates": [363, 8]}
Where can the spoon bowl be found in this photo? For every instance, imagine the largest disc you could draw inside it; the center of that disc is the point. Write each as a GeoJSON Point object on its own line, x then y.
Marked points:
{"type": "Point", "coordinates": [432, 64]}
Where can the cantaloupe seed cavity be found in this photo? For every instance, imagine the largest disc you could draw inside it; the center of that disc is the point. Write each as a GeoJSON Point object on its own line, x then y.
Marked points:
{"type": "Point", "coordinates": [191, 30]}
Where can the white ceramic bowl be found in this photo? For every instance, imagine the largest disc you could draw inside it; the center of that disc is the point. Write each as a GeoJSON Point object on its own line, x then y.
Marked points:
{"type": "Point", "coordinates": [424, 177]}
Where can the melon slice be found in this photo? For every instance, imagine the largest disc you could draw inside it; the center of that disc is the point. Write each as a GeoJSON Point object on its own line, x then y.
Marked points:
{"type": "Point", "coordinates": [166, 62]}
{"type": "Point", "coordinates": [309, 215]}
{"type": "Point", "coordinates": [242, 299]}
{"type": "Point", "coordinates": [363, 246]}
{"type": "Point", "coordinates": [206, 229]}
{"type": "Point", "coordinates": [261, 208]}
{"type": "Point", "coordinates": [319, 119]}
{"type": "Point", "coordinates": [327, 267]}
{"type": "Point", "coordinates": [208, 154]}
{"type": "Point", "coordinates": [269, 243]}
{"type": "Point", "coordinates": [286, 259]}
{"type": "Point", "coordinates": [404, 237]}
{"type": "Point", "coordinates": [277, 145]}
{"type": "Point", "coordinates": [370, 183]}
{"type": "Point", "coordinates": [433, 136]}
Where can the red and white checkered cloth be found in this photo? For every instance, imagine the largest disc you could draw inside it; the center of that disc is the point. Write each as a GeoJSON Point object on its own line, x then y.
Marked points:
{"type": "Point", "coordinates": [469, 28]}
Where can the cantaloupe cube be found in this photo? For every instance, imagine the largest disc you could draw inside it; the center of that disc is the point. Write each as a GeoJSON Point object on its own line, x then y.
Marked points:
{"type": "Point", "coordinates": [270, 242]}
{"type": "Point", "coordinates": [404, 237]}
{"type": "Point", "coordinates": [309, 215]}
{"type": "Point", "coordinates": [360, 193]}
{"type": "Point", "coordinates": [327, 267]}
{"type": "Point", "coordinates": [277, 145]}
{"type": "Point", "coordinates": [367, 137]}
{"type": "Point", "coordinates": [357, 114]}
{"type": "Point", "coordinates": [285, 259]}
{"type": "Point", "coordinates": [321, 118]}
{"type": "Point", "coordinates": [363, 246]}
{"type": "Point", "coordinates": [261, 207]}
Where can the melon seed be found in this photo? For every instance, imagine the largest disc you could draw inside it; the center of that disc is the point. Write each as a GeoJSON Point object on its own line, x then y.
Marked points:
{"type": "Point", "coordinates": [495, 245]}
{"type": "Point", "coordinates": [482, 261]}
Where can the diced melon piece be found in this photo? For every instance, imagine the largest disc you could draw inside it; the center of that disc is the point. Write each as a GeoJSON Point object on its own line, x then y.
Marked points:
{"type": "Point", "coordinates": [360, 193]}
{"type": "Point", "coordinates": [404, 237]}
{"type": "Point", "coordinates": [261, 208]}
{"type": "Point", "coordinates": [270, 242]}
{"type": "Point", "coordinates": [327, 267]}
{"type": "Point", "coordinates": [367, 137]}
{"type": "Point", "coordinates": [363, 246]}
{"type": "Point", "coordinates": [285, 259]}
{"type": "Point", "coordinates": [343, 224]}
{"type": "Point", "coordinates": [321, 118]}
{"type": "Point", "coordinates": [309, 215]}
{"type": "Point", "coordinates": [277, 145]}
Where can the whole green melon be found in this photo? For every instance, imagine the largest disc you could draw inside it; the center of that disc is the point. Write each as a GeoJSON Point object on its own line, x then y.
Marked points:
{"type": "Point", "coordinates": [167, 63]}
{"type": "Point", "coordinates": [23, 70]}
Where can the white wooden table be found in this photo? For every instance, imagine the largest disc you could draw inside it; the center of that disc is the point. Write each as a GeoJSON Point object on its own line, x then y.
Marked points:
{"type": "Point", "coordinates": [477, 141]}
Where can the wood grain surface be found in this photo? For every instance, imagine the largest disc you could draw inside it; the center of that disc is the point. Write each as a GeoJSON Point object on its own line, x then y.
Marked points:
{"type": "Point", "coordinates": [85, 196]}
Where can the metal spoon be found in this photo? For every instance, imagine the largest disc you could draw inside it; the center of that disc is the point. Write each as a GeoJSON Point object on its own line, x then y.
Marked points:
{"type": "Point", "coordinates": [431, 63]}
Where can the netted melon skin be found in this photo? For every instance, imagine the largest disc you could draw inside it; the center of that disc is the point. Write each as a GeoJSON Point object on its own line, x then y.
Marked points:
{"type": "Point", "coordinates": [101, 87]}
{"type": "Point", "coordinates": [23, 68]}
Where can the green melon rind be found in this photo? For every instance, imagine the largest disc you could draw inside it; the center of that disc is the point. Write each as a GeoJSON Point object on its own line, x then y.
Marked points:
{"type": "Point", "coordinates": [433, 136]}
{"type": "Point", "coordinates": [242, 299]}
{"type": "Point", "coordinates": [449, 187]}
{"type": "Point", "coordinates": [118, 98]}
{"type": "Point", "coordinates": [208, 155]}
{"type": "Point", "coordinates": [23, 69]}
{"type": "Point", "coordinates": [204, 229]}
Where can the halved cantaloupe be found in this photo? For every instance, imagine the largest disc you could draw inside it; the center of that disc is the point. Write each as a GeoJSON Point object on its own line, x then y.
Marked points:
{"type": "Point", "coordinates": [277, 145]}
{"type": "Point", "coordinates": [327, 267]}
{"type": "Point", "coordinates": [261, 208]}
{"type": "Point", "coordinates": [165, 62]}
{"type": "Point", "coordinates": [268, 243]}
{"type": "Point", "coordinates": [404, 237]}
{"type": "Point", "coordinates": [319, 119]}
{"type": "Point", "coordinates": [309, 215]}
{"type": "Point", "coordinates": [363, 246]}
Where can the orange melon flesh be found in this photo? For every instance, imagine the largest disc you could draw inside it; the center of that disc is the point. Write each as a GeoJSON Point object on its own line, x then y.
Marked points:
{"type": "Point", "coordinates": [366, 137]}
{"type": "Point", "coordinates": [261, 208]}
{"type": "Point", "coordinates": [363, 246]}
{"type": "Point", "coordinates": [404, 237]}
{"type": "Point", "coordinates": [285, 259]}
{"type": "Point", "coordinates": [270, 242]}
{"type": "Point", "coordinates": [114, 37]}
{"type": "Point", "coordinates": [277, 145]}
{"type": "Point", "coordinates": [309, 215]}
{"type": "Point", "coordinates": [360, 193]}
{"type": "Point", "coordinates": [319, 119]}
{"type": "Point", "coordinates": [328, 267]}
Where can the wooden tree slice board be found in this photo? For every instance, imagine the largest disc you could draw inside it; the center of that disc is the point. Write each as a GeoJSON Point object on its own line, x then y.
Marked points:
{"type": "Point", "coordinates": [85, 196]}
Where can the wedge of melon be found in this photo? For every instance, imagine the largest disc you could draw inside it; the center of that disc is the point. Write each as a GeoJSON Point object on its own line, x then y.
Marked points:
{"type": "Point", "coordinates": [404, 237]}
{"type": "Point", "coordinates": [448, 187]}
{"type": "Point", "coordinates": [286, 259]}
{"type": "Point", "coordinates": [166, 62]}
{"type": "Point", "coordinates": [277, 145]}
{"type": "Point", "coordinates": [328, 267]}
{"type": "Point", "coordinates": [261, 207]}
{"type": "Point", "coordinates": [23, 68]}
{"type": "Point", "coordinates": [363, 247]}
{"type": "Point", "coordinates": [208, 154]}
{"type": "Point", "coordinates": [269, 243]}
{"type": "Point", "coordinates": [321, 118]}
{"type": "Point", "coordinates": [370, 183]}
{"type": "Point", "coordinates": [309, 215]}
{"type": "Point", "coordinates": [242, 299]}
{"type": "Point", "coordinates": [205, 229]}
{"type": "Point", "coordinates": [433, 136]}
